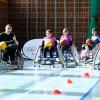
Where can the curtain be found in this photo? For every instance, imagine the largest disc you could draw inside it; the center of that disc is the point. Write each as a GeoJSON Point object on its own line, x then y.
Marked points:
{"type": "Point", "coordinates": [94, 6]}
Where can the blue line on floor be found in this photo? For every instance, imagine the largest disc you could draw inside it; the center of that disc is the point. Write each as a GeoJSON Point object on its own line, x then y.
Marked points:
{"type": "Point", "coordinates": [90, 90]}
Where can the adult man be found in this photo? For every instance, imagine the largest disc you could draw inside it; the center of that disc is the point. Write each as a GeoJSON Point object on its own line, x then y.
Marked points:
{"type": "Point", "coordinates": [10, 39]}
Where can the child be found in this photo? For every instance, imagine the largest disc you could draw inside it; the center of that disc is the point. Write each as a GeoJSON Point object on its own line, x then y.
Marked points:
{"type": "Point", "coordinates": [90, 44]}
{"type": "Point", "coordinates": [66, 39]}
{"type": "Point", "coordinates": [96, 37]}
{"type": "Point", "coordinates": [49, 43]}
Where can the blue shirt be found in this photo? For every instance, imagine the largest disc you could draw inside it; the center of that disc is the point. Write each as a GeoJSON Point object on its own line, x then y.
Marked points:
{"type": "Point", "coordinates": [93, 38]}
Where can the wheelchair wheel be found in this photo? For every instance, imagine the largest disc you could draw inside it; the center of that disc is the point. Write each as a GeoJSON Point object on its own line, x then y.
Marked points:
{"type": "Point", "coordinates": [96, 60]}
{"type": "Point", "coordinates": [36, 57]}
{"type": "Point", "coordinates": [75, 54]}
{"type": "Point", "coordinates": [20, 60]}
{"type": "Point", "coordinates": [61, 57]}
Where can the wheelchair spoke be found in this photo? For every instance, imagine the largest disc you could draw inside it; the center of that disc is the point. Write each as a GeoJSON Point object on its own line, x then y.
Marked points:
{"type": "Point", "coordinates": [96, 60]}
{"type": "Point", "coordinates": [75, 54]}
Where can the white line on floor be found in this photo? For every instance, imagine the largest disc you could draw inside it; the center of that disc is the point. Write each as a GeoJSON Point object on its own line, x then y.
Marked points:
{"type": "Point", "coordinates": [19, 96]}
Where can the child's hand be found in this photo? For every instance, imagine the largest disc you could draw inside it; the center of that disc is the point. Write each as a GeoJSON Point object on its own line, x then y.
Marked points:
{"type": "Point", "coordinates": [44, 47]}
{"type": "Point", "coordinates": [58, 45]}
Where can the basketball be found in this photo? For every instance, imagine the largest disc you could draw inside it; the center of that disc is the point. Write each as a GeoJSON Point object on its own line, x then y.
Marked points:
{"type": "Point", "coordinates": [3, 45]}
{"type": "Point", "coordinates": [89, 42]}
{"type": "Point", "coordinates": [63, 42]}
{"type": "Point", "coordinates": [48, 43]}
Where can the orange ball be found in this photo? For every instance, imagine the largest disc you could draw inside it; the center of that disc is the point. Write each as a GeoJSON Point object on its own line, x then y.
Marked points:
{"type": "Point", "coordinates": [55, 92]}
{"type": "Point", "coordinates": [89, 42]}
{"type": "Point", "coordinates": [63, 42]}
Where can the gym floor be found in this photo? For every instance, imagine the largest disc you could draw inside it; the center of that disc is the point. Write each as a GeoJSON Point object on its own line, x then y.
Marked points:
{"type": "Point", "coordinates": [41, 83]}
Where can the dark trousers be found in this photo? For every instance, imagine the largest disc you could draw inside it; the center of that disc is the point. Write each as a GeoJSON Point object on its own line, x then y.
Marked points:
{"type": "Point", "coordinates": [50, 50]}
{"type": "Point", "coordinates": [10, 52]}
{"type": "Point", "coordinates": [96, 42]}
{"type": "Point", "coordinates": [64, 48]}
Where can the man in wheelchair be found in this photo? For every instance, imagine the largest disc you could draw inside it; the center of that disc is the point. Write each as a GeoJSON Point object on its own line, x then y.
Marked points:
{"type": "Point", "coordinates": [9, 39]}
{"type": "Point", "coordinates": [49, 44]}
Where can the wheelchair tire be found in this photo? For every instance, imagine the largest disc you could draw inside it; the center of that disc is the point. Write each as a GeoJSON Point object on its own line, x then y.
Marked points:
{"type": "Point", "coordinates": [61, 57]}
{"type": "Point", "coordinates": [75, 54]}
{"type": "Point", "coordinates": [36, 57]}
{"type": "Point", "coordinates": [20, 60]}
{"type": "Point", "coordinates": [96, 60]}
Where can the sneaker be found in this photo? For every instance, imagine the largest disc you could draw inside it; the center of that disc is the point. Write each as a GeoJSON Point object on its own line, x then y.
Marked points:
{"type": "Point", "coordinates": [99, 64]}
{"type": "Point", "coordinates": [3, 59]}
{"type": "Point", "coordinates": [51, 62]}
{"type": "Point", "coordinates": [14, 62]}
{"type": "Point", "coordinates": [39, 60]}
{"type": "Point", "coordinates": [43, 62]}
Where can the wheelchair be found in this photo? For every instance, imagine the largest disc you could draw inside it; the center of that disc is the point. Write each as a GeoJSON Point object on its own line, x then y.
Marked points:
{"type": "Point", "coordinates": [17, 63]}
{"type": "Point", "coordinates": [96, 60]}
{"type": "Point", "coordinates": [39, 58]}
{"type": "Point", "coordinates": [93, 56]}
{"type": "Point", "coordinates": [59, 57]}
{"type": "Point", "coordinates": [70, 54]}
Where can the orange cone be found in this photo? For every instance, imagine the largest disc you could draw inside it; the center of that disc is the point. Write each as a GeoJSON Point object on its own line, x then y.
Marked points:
{"type": "Point", "coordinates": [86, 75]}
{"type": "Point", "coordinates": [69, 81]}
{"type": "Point", "coordinates": [56, 92]}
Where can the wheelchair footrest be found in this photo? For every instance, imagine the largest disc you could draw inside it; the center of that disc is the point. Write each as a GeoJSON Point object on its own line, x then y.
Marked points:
{"type": "Point", "coordinates": [14, 63]}
{"type": "Point", "coordinates": [47, 62]}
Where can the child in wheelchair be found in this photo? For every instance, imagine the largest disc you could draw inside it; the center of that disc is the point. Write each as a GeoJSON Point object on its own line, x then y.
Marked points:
{"type": "Point", "coordinates": [90, 44]}
{"type": "Point", "coordinates": [49, 44]}
{"type": "Point", "coordinates": [65, 40]}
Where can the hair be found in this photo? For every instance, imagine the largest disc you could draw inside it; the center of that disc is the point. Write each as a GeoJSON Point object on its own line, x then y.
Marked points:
{"type": "Point", "coordinates": [9, 25]}
{"type": "Point", "coordinates": [65, 30]}
{"type": "Point", "coordinates": [95, 29]}
{"type": "Point", "coordinates": [50, 31]}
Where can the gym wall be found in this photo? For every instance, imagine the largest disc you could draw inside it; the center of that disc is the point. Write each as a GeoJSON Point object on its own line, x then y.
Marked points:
{"type": "Point", "coordinates": [3, 14]}
{"type": "Point", "coordinates": [31, 18]}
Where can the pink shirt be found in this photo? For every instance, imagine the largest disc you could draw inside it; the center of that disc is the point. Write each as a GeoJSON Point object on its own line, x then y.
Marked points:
{"type": "Point", "coordinates": [53, 39]}
{"type": "Point", "coordinates": [68, 39]}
